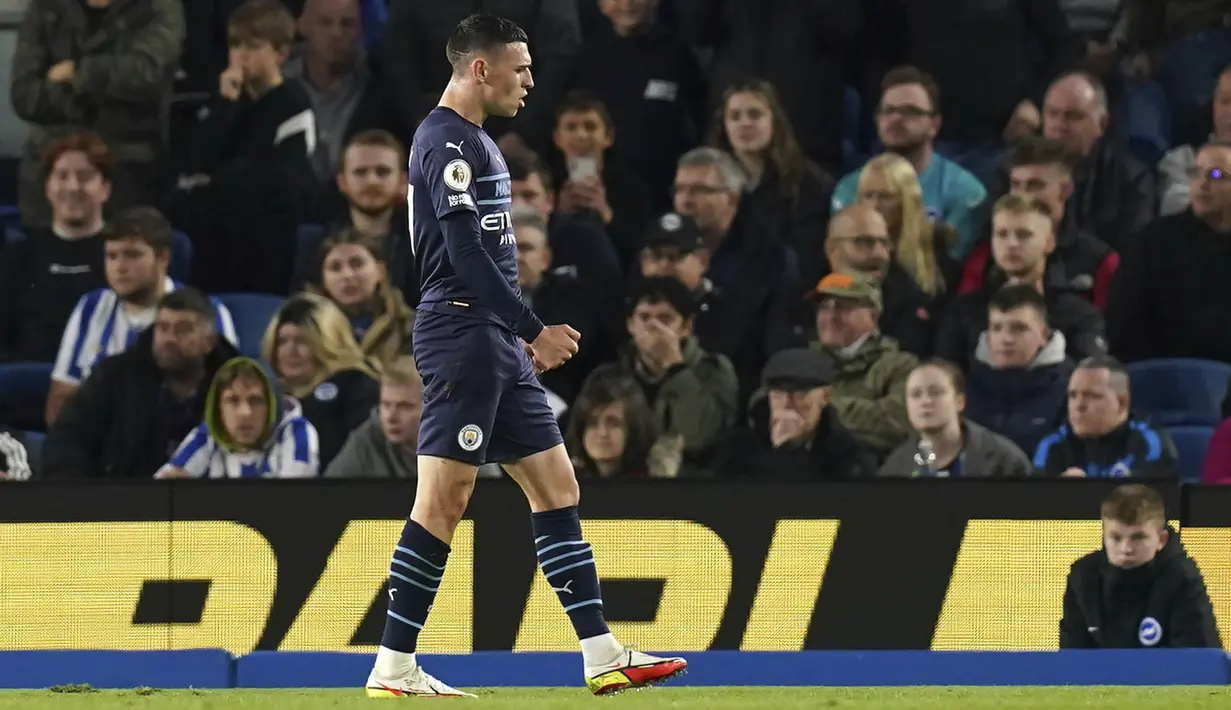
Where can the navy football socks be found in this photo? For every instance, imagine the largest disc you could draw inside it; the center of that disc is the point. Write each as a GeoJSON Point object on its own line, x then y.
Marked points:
{"type": "Point", "coordinates": [414, 577]}
{"type": "Point", "coordinates": [568, 564]}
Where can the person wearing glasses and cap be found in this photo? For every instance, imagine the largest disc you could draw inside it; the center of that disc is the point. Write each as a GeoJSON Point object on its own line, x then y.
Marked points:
{"type": "Point", "coordinates": [795, 432]}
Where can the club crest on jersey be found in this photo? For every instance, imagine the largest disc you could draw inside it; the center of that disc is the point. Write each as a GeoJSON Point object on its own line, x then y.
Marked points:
{"type": "Point", "coordinates": [1149, 631]}
{"type": "Point", "coordinates": [457, 175]}
{"type": "Point", "coordinates": [470, 437]}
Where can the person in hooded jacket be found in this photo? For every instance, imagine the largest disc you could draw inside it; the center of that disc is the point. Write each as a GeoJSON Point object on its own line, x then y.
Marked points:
{"type": "Point", "coordinates": [385, 445]}
{"type": "Point", "coordinates": [794, 431]}
{"type": "Point", "coordinates": [1141, 590]}
{"type": "Point", "coordinates": [251, 430]}
{"type": "Point", "coordinates": [1018, 381]}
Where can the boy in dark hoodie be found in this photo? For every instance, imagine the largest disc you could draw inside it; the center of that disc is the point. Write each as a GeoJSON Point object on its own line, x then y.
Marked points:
{"type": "Point", "coordinates": [384, 446]}
{"type": "Point", "coordinates": [251, 430]}
{"type": "Point", "coordinates": [1142, 590]}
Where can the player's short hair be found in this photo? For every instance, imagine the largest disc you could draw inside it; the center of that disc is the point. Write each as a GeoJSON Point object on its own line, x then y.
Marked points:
{"type": "Point", "coordinates": [186, 299]}
{"type": "Point", "coordinates": [89, 144]}
{"type": "Point", "coordinates": [663, 289]}
{"type": "Point", "coordinates": [524, 163]}
{"type": "Point", "coordinates": [953, 372]}
{"type": "Point", "coordinates": [261, 21]}
{"type": "Point", "coordinates": [1134, 504]}
{"type": "Point", "coordinates": [1116, 371]}
{"type": "Point", "coordinates": [1021, 205]}
{"type": "Point", "coordinates": [481, 33]}
{"type": "Point", "coordinates": [377, 138]}
{"type": "Point", "coordinates": [580, 101]}
{"type": "Point", "coordinates": [1013, 296]}
{"type": "Point", "coordinates": [907, 75]}
{"type": "Point", "coordinates": [1039, 151]}
{"type": "Point", "coordinates": [733, 176]}
{"type": "Point", "coordinates": [145, 224]}
{"type": "Point", "coordinates": [402, 372]}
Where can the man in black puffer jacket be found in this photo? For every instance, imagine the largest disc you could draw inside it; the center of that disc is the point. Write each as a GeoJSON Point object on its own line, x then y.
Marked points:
{"type": "Point", "coordinates": [1142, 590]}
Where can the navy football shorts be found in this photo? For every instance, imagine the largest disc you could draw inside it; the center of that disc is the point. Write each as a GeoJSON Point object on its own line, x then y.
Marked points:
{"type": "Point", "coordinates": [482, 402]}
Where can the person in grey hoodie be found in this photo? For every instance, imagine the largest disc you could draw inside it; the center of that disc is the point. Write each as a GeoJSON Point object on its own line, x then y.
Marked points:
{"type": "Point", "coordinates": [384, 445]}
{"type": "Point", "coordinates": [942, 443]}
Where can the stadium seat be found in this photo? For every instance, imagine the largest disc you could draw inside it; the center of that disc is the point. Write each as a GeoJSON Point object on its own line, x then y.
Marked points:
{"type": "Point", "coordinates": [1179, 391]}
{"type": "Point", "coordinates": [23, 394]}
{"type": "Point", "coordinates": [181, 256]}
{"type": "Point", "coordinates": [251, 313]}
{"type": "Point", "coordinates": [1191, 443]}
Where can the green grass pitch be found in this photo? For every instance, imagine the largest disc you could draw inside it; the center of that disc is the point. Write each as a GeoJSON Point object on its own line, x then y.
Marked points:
{"type": "Point", "coordinates": [1171, 698]}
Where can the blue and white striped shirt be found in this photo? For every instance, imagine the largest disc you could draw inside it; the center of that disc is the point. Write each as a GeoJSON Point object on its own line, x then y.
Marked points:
{"type": "Point", "coordinates": [101, 327]}
{"type": "Point", "coordinates": [292, 451]}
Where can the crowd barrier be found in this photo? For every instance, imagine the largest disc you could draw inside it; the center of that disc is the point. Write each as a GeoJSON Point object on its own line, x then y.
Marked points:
{"type": "Point", "coordinates": [690, 566]}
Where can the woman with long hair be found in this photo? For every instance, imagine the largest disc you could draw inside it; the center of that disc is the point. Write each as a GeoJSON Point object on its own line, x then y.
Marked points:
{"type": "Point", "coordinates": [786, 188]}
{"type": "Point", "coordinates": [352, 273]}
{"type": "Point", "coordinates": [612, 432]}
{"type": "Point", "coordinates": [921, 247]}
{"type": "Point", "coordinates": [310, 346]}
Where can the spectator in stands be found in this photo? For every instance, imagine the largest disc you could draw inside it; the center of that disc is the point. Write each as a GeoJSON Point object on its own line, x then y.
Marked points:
{"type": "Point", "coordinates": [871, 371]}
{"type": "Point", "coordinates": [920, 245]}
{"type": "Point", "coordinates": [943, 443]}
{"type": "Point", "coordinates": [1020, 45]}
{"type": "Point", "coordinates": [859, 242]}
{"type": "Point", "coordinates": [651, 82]}
{"type": "Point", "coordinates": [1176, 169]}
{"type": "Point", "coordinates": [251, 430]}
{"type": "Point", "coordinates": [354, 276]}
{"type": "Point", "coordinates": [794, 45]}
{"type": "Point", "coordinates": [43, 275]}
{"type": "Point", "coordinates": [385, 445]}
{"type": "Point", "coordinates": [1141, 590]}
{"type": "Point", "coordinates": [1018, 381]}
{"type": "Point", "coordinates": [908, 120]}
{"type": "Point", "coordinates": [372, 179]}
{"type": "Point", "coordinates": [749, 262]}
{"type": "Point", "coordinates": [1039, 168]}
{"type": "Point", "coordinates": [18, 460]}
{"type": "Point", "coordinates": [310, 345]}
{"type": "Point", "coordinates": [692, 392]}
{"type": "Point", "coordinates": [107, 321]}
{"type": "Point", "coordinates": [252, 177]}
{"type": "Point", "coordinates": [785, 188]}
{"type": "Point", "coordinates": [1170, 295]}
{"type": "Point", "coordinates": [1115, 195]}
{"type": "Point", "coordinates": [415, 67]}
{"type": "Point", "coordinates": [557, 295]}
{"type": "Point", "coordinates": [1022, 240]}
{"type": "Point", "coordinates": [611, 430]}
{"type": "Point", "coordinates": [136, 407]}
{"type": "Point", "coordinates": [331, 66]}
{"type": "Point", "coordinates": [1217, 465]}
{"type": "Point", "coordinates": [591, 186]}
{"type": "Point", "coordinates": [1102, 438]}
{"type": "Point", "coordinates": [104, 66]}
{"type": "Point", "coordinates": [796, 433]}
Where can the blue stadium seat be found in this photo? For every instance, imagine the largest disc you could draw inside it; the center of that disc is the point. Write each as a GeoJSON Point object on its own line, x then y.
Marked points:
{"type": "Point", "coordinates": [1180, 391]}
{"type": "Point", "coordinates": [181, 256]}
{"type": "Point", "coordinates": [23, 394]}
{"type": "Point", "coordinates": [251, 313]}
{"type": "Point", "coordinates": [1191, 443]}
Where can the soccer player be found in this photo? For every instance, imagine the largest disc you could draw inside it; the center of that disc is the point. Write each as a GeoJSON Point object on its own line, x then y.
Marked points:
{"type": "Point", "coordinates": [479, 349]}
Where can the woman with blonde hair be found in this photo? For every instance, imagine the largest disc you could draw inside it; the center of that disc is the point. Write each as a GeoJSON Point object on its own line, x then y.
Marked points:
{"type": "Point", "coordinates": [788, 191]}
{"type": "Point", "coordinates": [351, 271]}
{"type": "Point", "coordinates": [921, 246]}
{"type": "Point", "coordinates": [311, 348]}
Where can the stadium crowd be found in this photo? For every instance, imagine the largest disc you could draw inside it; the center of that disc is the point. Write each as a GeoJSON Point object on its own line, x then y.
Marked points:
{"type": "Point", "coordinates": [802, 239]}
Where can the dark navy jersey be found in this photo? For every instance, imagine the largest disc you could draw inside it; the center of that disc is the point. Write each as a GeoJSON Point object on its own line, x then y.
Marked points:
{"type": "Point", "coordinates": [456, 168]}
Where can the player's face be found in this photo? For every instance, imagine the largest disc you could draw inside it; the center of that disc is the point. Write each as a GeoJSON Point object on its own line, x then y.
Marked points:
{"type": "Point", "coordinates": [1015, 337]}
{"type": "Point", "coordinates": [931, 401]}
{"type": "Point", "coordinates": [76, 190]}
{"type": "Point", "coordinates": [181, 341]}
{"type": "Point", "coordinates": [295, 361]}
{"type": "Point", "coordinates": [1021, 242]}
{"type": "Point", "coordinates": [350, 275]}
{"type": "Point", "coordinates": [373, 178]}
{"type": "Point", "coordinates": [244, 407]}
{"type": "Point", "coordinates": [904, 119]}
{"type": "Point", "coordinates": [401, 408]}
{"type": "Point", "coordinates": [749, 122]}
{"type": "Point", "coordinates": [506, 80]}
{"type": "Point", "coordinates": [582, 134]}
{"type": "Point", "coordinates": [533, 256]}
{"type": "Point", "coordinates": [133, 268]}
{"type": "Point", "coordinates": [605, 434]}
{"type": "Point", "coordinates": [1130, 546]}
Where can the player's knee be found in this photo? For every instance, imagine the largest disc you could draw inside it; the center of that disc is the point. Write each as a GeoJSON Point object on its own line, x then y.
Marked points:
{"type": "Point", "coordinates": [450, 499]}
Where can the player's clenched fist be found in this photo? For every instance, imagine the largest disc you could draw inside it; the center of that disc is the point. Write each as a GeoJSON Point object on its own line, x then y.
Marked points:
{"type": "Point", "coordinates": [554, 346]}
